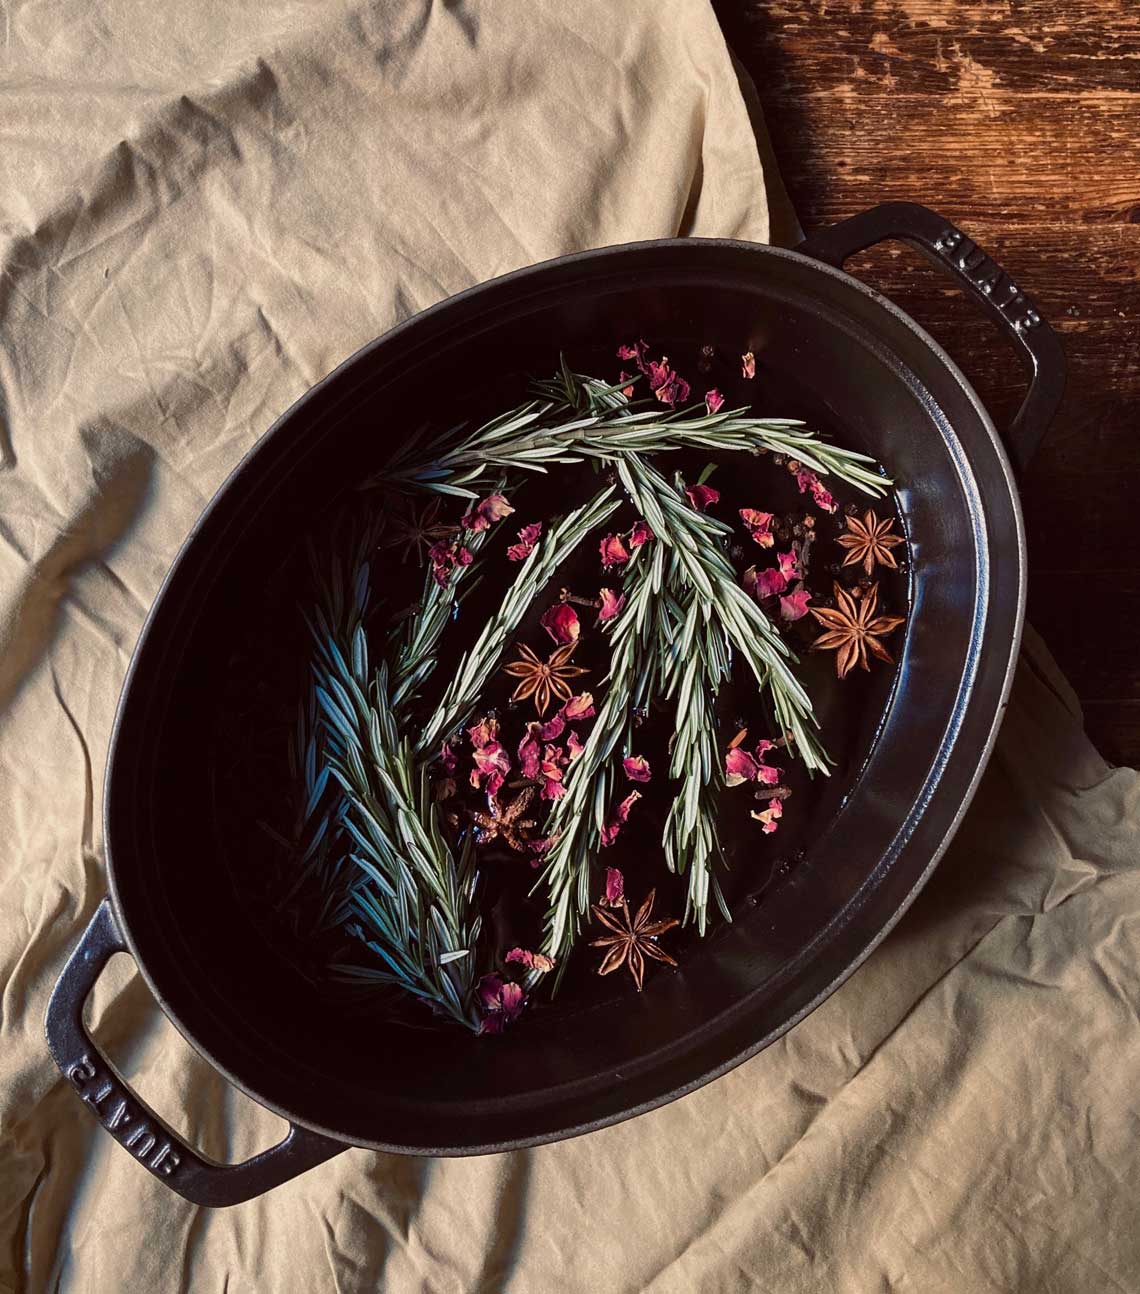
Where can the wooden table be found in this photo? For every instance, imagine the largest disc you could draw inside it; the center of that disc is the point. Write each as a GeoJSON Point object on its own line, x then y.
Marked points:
{"type": "Point", "coordinates": [1020, 121]}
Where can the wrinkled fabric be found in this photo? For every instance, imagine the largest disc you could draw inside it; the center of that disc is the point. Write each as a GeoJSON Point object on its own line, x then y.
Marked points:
{"type": "Point", "coordinates": [205, 208]}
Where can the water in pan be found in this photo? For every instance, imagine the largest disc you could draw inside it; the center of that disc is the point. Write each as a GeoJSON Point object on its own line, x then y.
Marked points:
{"type": "Point", "coordinates": [257, 779]}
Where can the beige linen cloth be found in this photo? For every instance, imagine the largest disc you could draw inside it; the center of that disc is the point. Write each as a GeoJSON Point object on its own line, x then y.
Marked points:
{"type": "Point", "coordinates": [205, 208]}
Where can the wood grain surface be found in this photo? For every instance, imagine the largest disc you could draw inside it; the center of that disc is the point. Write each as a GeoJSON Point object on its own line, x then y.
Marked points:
{"type": "Point", "coordinates": [1019, 120]}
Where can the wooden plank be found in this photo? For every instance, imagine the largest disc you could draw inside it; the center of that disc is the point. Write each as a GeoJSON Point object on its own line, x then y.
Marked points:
{"type": "Point", "coordinates": [944, 47]}
{"type": "Point", "coordinates": [1021, 123]}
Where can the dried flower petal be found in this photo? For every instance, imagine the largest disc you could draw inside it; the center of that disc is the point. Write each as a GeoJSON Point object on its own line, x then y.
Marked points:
{"type": "Point", "coordinates": [748, 364]}
{"type": "Point", "coordinates": [640, 534]}
{"type": "Point", "coordinates": [500, 1001]}
{"type": "Point", "coordinates": [448, 760]}
{"type": "Point", "coordinates": [615, 887]}
{"type": "Point", "coordinates": [789, 566]}
{"type": "Point", "coordinates": [552, 729]}
{"type": "Point", "coordinates": [551, 773]}
{"type": "Point", "coordinates": [627, 391]}
{"type": "Point", "coordinates": [714, 401]}
{"type": "Point", "coordinates": [532, 961]}
{"type": "Point", "coordinates": [492, 764]}
{"type": "Point", "coordinates": [561, 622]}
{"type": "Point", "coordinates": [806, 479]}
{"type": "Point", "coordinates": [445, 557]}
{"type": "Point", "coordinates": [668, 386]}
{"type": "Point", "coordinates": [763, 584]}
{"type": "Point", "coordinates": [540, 848]}
{"type": "Point", "coordinates": [636, 768]}
{"type": "Point", "coordinates": [614, 551]}
{"type": "Point", "coordinates": [759, 525]}
{"type": "Point", "coordinates": [579, 707]}
{"type": "Point", "coordinates": [483, 732]}
{"type": "Point", "coordinates": [770, 816]}
{"type": "Point", "coordinates": [701, 496]}
{"type": "Point", "coordinates": [634, 352]}
{"type": "Point", "coordinates": [610, 831]}
{"type": "Point", "coordinates": [739, 766]}
{"type": "Point", "coordinates": [612, 604]}
{"type": "Point", "coordinates": [486, 512]}
{"type": "Point", "coordinates": [573, 746]}
{"type": "Point", "coordinates": [795, 605]}
{"type": "Point", "coordinates": [530, 752]}
{"type": "Point", "coordinates": [528, 537]}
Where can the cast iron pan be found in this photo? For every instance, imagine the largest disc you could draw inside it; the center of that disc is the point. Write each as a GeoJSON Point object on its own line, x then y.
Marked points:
{"type": "Point", "coordinates": [891, 391]}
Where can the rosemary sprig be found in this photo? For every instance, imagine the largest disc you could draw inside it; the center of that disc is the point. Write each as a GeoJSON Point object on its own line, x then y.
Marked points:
{"type": "Point", "coordinates": [698, 664]}
{"type": "Point", "coordinates": [576, 820]}
{"type": "Point", "coordinates": [477, 663]}
{"type": "Point", "coordinates": [417, 639]}
{"type": "Point", "coordinates": [697, 539]}
{"type": "Point", "coordinates": [414, 900]}
{"type": "Point", "coordinates": [579, 418]}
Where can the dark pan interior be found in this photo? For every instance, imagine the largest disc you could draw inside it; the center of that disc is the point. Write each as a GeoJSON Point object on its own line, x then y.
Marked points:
{"type": "Point", "coordinates": [891, 394]}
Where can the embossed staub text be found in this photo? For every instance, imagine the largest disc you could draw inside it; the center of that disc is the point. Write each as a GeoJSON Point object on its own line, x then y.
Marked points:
{"type": "Point", "coordinates": [965, 255]}
{"type": "Point", "coordinates": [122, 1118]}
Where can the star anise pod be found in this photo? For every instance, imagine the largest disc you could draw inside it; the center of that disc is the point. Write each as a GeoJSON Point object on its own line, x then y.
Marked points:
{"type": "Point", "coordinates": [867, 541]}
{"type": "Point", "coordinates": [633, 939]}
{"type": "Point", "coordinates": [418, 533]}
{"type": "Point", "coordinates": [852, 629]}
{"type": "Point", "coordinates": [505, 823]}
{"type": "Point", "coordinates": [544, 679]}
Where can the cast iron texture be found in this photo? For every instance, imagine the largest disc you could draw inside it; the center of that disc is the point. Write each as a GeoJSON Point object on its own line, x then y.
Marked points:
{"type": "Point", "coordinates": [890, 390]}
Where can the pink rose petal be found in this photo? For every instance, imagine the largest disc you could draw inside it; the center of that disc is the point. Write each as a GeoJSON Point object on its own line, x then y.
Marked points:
{"type": "Point", "coordinates": [759, 525]}
{"type": "Point", "coordinates": [486, 512]}
{"type": "Point", "coordinates": [634, 352]}
{"type": "Point", "coordinates": [636, 768]}
{"type": "Point", "coordinates": [551, 773]}
{"type": "Point", "coordinates": [675, 391]}
{"type": "Point", "coordinates": [789, 565]}
{"type": "Point", "coordinates": [795, 605]}
{"type": "Point", "coordinates": [552, 729]}
{"type": "Point", "coordinates": [764, 584]}
{"type": "Point", "coordinates": [768, 775]}
{"type": "Point", "coordinates": [610, 831]}
{"type": "Point", "coordinates": [627, 391]}
{"type": "Point", "coordinates": [714, 401]}
{"type": "Point", "coordinates": [540, 848]}
{"type": "Point", "coordinates": [573, 746]}
{"type": "Point", "coordinates": [491, 761]}
{"type": "Point", "coordinates": [530, 752]}
{"type": "Point", "coordinates": [579, 707]}
{"type": "Point", "coordinates": [528, 537]}
{"type": "Point", "coordinates": [500, 1001]}
{"type": "Point", "coordinates": [445, 556]}
{"type": "Point", "coordinates": [806, 479]}
{"type": "Point", "coordinates": [561, 622]}
{"type": "Point", "coordinates": [615, 888]}
{"type": "Point", "coordinates": [770, 816]}
{"type": "Point", "coordinates": [640, 534]}
{"type": "Point", "coordinates": [492, 764]}
{"type": "Point", "coordinates": [739, 766]}
{"type": "Point", "coordinates": [748, 364]}
{"type": "Point", "coordinates": [483, 732]}
{"type": "Point", "coordinates": [701, 496]}
{"type": "Point", "coordinates": [614, 551]}
{"type": "Point", "coordinates": [532, 961]}
{"type": "Point", "coordinates": [612, 604]}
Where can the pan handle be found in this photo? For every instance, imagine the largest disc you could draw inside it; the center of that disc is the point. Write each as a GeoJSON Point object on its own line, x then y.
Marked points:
{"type": "Point", "coordinates": [131, 1121]}
{"type": "Point", "coordinates": [985, 281]}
